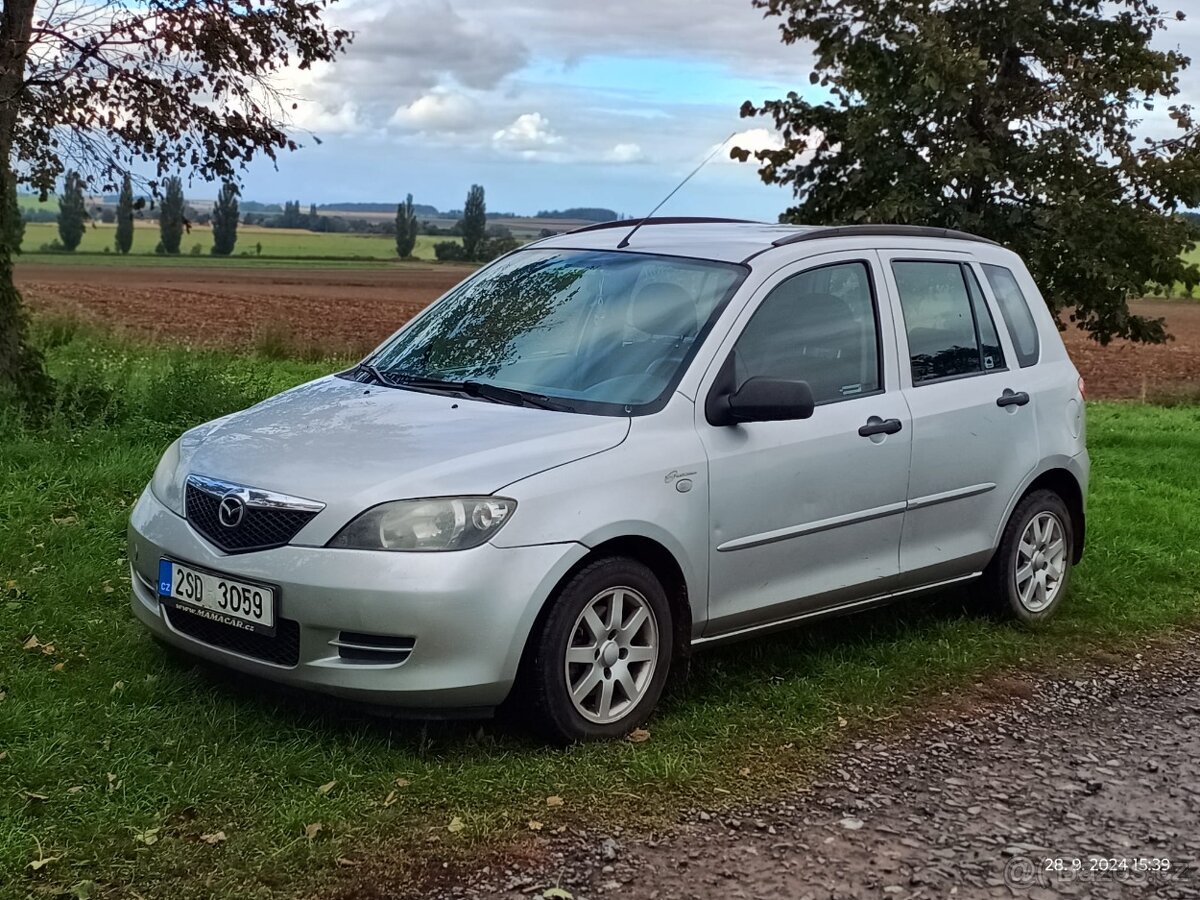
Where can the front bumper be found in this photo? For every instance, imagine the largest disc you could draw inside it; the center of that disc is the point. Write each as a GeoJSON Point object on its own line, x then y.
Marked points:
{"type": "Point", "coordinates": [468, 612]}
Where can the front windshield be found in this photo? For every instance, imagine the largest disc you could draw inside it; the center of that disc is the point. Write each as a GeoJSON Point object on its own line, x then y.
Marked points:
{"type": "Point", "coordinates": [598, 331]}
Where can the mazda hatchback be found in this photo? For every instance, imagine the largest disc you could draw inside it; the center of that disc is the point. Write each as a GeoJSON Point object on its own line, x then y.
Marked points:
{"type": "Point", "coordinates": [609, 448]}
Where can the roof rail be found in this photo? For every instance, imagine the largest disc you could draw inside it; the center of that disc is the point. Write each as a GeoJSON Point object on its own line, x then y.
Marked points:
{"type": "Point", "coordinates": [818, 232]}
{"type": "Point", "coordinates": [661, 220]}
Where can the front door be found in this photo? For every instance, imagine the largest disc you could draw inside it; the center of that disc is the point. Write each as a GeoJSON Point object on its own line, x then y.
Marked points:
{"type": "Point", "coordinates": [808, 513]}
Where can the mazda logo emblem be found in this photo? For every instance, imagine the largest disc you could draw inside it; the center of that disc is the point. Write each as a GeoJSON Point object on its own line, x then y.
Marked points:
{"type": "Point", "coordinates": [231, 511]}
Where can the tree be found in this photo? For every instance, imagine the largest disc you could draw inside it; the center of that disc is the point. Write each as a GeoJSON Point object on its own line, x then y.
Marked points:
{"type": "Point", "coordinates": [1013, 119]}
{"type": "Point", "coordinates": [72, 212]}
{"type": "Point", "coordinates": [406, 228]}
{"type": "Point", "coordinates": [170, 215]}
{"type": "Point", "coordinates": [225, 220]}
{"type": "Point", "coordinates": [473, 223]}
{"type": "Point", "coordinates": [124, 236]}
{"type": "Point", "coordinates": [12, 223]}
{"type": "Point", "coordinates": [103, 85]}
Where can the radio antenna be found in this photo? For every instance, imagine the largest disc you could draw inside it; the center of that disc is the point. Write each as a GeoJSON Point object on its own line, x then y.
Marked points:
{"type": "Point", "coordinates": [640, 222]}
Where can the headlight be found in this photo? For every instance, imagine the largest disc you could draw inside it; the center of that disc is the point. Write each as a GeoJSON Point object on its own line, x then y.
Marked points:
{"type": "Point", "coordinates": [443, 523]}
{"type": "Point", "coordinates": [164, 485]}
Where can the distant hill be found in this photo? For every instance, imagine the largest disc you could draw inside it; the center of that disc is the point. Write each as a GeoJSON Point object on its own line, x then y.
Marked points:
{"type": "Point", "coordinates": [421, 209]}
{"type": "Point", "coordinates": [587, 213]}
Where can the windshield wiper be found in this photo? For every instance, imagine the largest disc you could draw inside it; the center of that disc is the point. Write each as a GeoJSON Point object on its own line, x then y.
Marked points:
{"type": "Point", "coordinates": [377, 376]}
{"type": "Point", "coordinates": [480, 389]}
{"type": "Point", "coordinates": [512, 397]}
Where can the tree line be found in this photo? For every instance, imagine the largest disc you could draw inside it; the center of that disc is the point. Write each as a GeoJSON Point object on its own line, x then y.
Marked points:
{"type": "Point", "coordinates": [175, 217]}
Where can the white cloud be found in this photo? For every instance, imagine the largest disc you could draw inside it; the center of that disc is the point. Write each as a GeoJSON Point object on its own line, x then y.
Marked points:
{"type": "Point", "coordinates": [438, 111]}
{"type": "Point", "coordinates": [752, 139]}
{"type": "Point", "coordinates": [625, 153]}
{"type": "Point", "coordinates": [529, 135]}
{"type": "Point", "coordinates": [328, 119]}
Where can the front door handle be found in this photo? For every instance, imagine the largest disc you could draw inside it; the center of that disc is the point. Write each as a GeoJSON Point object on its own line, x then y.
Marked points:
{"type": "Point", "coordinates": [1012, 398]}
{"type": "Point", "coordinates": [876, 425]}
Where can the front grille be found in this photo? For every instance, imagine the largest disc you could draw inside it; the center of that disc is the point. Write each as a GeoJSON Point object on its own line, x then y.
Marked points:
{"type": "Point", "coordinates": [282, 650]}
{"type": "Point", "coordinates": [379, 649]}
{"type": "Point", "coordinates": [259, 528]}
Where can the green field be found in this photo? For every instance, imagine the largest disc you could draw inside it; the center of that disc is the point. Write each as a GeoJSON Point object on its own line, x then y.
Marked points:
{"type": "Point", "coordinates": [117, 758]}
{"type": "Point", "coordinates": [276, 242]}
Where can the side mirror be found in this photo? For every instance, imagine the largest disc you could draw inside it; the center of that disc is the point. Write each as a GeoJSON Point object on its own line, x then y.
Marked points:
{"type": "Point", "coordinates": [767, 400]}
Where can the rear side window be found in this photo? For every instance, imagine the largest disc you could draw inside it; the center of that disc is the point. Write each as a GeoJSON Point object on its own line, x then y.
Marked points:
{"type": "Point", "coordinates": [950, 331]}
{"type": "Point", "coordinates": [1015, 310]}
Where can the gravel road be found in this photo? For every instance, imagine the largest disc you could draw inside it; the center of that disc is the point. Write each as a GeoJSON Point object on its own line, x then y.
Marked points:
{"type": "Point", "coordinates": [1022, 798]}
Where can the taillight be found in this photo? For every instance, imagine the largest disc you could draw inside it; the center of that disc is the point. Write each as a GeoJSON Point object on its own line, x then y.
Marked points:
{"type": "Point", "coordinates": [1082, 388]}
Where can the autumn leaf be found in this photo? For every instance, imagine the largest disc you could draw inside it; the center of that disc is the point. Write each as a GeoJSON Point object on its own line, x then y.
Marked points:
{"type": "Point", "coordinates": [328, 786]}
{"type": "Point", "coordinates": [389, 799]}
{"type": "Point", "coordinates": [744, 771]}
{"type": "Point", "coordinates": [554, 800]}
{"type": "Point", "coordinates": [32, 643]}
{"type": "Point", "coordinates": [557, 893]}
{"type": "Point", "coordinates": [117, 686]}
{"type": "Point", "coordinates": [456, 825]}
{"type": "Point", "coordinates": [58, 667]}
{"type": "Point", "coordinates": [638, 736]}
{"type": "Point", "coordinates": [347, 863]}
{"type": "Point", "coordinates": [312, 830]}
{"type": "Point", "coordinates": [149, 837]}
{"type": "Point", "coordinates": [38, 798]}
{"type": "Point", "coordinates": [842, 723]}
{"type": "Point", "coordinates": [213, 837]}
{"type": "Point", "coordinates": [402, 782]}
{"type": "Point", "coordinates": [41, 862]}
{"type": "Point", "coordinates": [535, 825]}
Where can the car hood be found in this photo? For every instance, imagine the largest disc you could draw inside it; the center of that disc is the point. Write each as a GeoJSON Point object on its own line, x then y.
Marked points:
{"type": "Point", "coordinates": [351, 446]}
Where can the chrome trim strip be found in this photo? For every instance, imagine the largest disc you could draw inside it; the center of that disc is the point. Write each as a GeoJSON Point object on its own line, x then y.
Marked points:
{"type": "Point", "coordinates": [970, 490]}
{"type": "Point", "coordinates": [783, 534]}
{"type": "Point", "coordinates": [830, 610]}
{"type": "Point", "coordinates": [253, 498]}
{"type": "Point", "coordinates": [374, 647]}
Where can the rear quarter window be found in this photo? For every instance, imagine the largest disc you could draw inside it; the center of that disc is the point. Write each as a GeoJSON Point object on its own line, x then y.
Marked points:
{"type": "Point", "coordinates": [1018, 318]}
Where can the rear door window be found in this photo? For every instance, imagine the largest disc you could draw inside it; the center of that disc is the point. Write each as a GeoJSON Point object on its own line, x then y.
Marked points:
{"type": "Point", "coordinates": [1017, 316]}
{"type": "Point", "coordinates": [950, 331]}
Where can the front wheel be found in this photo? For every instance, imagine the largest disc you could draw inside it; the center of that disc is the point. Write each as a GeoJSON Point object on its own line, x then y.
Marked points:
{"type": "Point", "coordinates": [603, 654]}
{"type": "Point", "coordinates": [1027, 578]}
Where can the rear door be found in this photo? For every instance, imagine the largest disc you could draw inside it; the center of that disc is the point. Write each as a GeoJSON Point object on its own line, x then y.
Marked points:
{"type": "Point", "coordinates": [973, 426]}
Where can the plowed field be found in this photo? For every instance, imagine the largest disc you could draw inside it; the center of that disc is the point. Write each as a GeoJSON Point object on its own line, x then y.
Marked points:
{"type": "Point", "coordinates": [353, 309]}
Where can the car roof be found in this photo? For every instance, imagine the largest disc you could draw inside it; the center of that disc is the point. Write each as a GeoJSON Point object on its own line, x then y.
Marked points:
{"type": "Point", "coordinates": [728, 240]}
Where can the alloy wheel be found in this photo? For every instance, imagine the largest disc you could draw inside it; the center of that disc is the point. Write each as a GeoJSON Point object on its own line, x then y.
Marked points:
{"type": "Point", "coordinates": [1041, 562]}
{"type": "Point", "coordinates": [611, 655]}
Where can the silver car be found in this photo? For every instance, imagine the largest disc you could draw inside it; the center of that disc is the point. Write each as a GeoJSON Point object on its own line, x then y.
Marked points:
{"type": "Point", "coordinates": [606, 449]}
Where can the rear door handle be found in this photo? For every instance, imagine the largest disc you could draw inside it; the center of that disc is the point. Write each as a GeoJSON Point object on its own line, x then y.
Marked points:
{"type": "Point", "coordinates": [876, 425]}
{"type": "Point", "coordinates": [1012, 398]}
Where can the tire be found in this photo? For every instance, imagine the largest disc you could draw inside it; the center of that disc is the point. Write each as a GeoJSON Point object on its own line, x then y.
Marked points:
{"type": "Point", "coordinates": [637, 649]}
{"type": "Point", "coordinates": [1029, 574]}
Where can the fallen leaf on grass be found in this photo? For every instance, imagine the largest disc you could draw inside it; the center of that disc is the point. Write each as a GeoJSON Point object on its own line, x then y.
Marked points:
{"type": "Point", "coordinates": [347, 863]}
{"type": "Point", "coordinates": [149, 837]}
{"type": "Point", "coordinates": [389, 799]}
{"type": "Point", "coordinates": [842, 723]}
{"type": "Point", "coordinates": [213, 837]}
{"type": "Point", "coordinates": [114, 783]}
{"type": "Point", "coordinates": [402, 782]}
{"type": "Point", "coordinates": [75, 789]}
{"type": "Point", "coordinates": [38, 798]}
{"type": "Point", "coordinates": [58, 667]}
{"type": "Point", "coordinates": [557, 893]}
{"type": "Point", "coordinates": [744, 771]}
{"type": "Point", "coordinates": [32, 643]}
{"type": "Point", "coordinates": [328, 786]}
{"type": "Point", "coordinates": [312, 830]}
{"type": "Point", "coordinates": [535, 825]}
{"type": "Point", "coordinates": [117, 686]}
{"type": "Point", "coordinates": [456, 825]}
{"type": "Point", "coordinates": [64, 520]}
{"type": "Point", "coordinates": [554, 800]}
{"type": "Point", "coordinates": [47, 649]}
{"type": "Point", "coordinates": [638, 736]}
{"type": "Point", "coordinates": [41, 862]}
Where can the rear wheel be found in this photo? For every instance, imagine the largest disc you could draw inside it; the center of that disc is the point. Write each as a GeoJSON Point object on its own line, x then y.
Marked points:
{"type": "Point", "coordinates": [603, 653]}
{"type": "Point", "coordinates": [1027, 578]}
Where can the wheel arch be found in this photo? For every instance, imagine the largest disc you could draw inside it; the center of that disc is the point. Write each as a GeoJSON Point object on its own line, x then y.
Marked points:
{"type": "Point", "coordinates": [1064, 481]}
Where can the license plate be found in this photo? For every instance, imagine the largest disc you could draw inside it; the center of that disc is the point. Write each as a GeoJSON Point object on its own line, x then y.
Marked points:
{"type": "Point", "coordinates": [238, 604]}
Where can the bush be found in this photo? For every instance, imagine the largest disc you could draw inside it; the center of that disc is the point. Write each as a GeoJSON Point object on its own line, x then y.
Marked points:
{"type": "Point", "coordinates": [497, 247]}
{"type": "Point", "coordinates": [449, 251]}
{"type": "Point", "coordinates": [55, 246]}
{"type": "Point", "coordinates": [197, 250]}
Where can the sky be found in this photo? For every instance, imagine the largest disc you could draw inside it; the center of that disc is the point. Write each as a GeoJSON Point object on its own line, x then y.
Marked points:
{"type": "Point", "coordinates": [549, 104]}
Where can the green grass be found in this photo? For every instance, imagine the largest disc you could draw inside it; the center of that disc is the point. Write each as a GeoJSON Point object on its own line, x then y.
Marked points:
{"type": "Point", "coordinates": [275, 242]}
{"type": "Point", "coordinates": [123, 738]}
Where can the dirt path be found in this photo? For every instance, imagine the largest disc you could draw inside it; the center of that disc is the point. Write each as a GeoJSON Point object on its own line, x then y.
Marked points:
{"type": "Point", "coordinates": [979, 804]}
